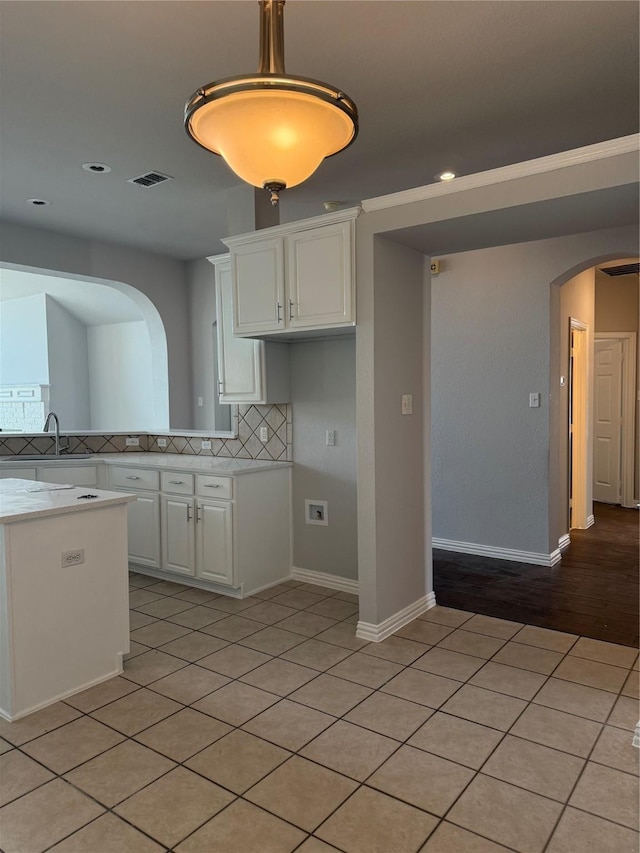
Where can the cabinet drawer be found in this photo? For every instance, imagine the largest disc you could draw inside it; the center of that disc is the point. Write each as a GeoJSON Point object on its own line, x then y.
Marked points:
{"type": "Point", "coordinates": [176, 484]}
{"type": "Point", "coordinates": [214, 487]}
{"type": "Point", "coordinates": [134, 478]}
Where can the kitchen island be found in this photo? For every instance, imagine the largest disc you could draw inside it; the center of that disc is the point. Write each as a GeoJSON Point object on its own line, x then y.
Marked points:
{"type": "Point", "coordinates": [64, 617]}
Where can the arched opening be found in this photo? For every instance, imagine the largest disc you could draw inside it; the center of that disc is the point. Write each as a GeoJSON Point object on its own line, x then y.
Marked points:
{"type": "Point", "coordinates": [101, 352]}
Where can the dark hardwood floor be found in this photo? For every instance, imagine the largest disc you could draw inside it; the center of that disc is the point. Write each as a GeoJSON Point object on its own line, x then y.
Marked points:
{"type": "Point", "coordinates": [593, 591]}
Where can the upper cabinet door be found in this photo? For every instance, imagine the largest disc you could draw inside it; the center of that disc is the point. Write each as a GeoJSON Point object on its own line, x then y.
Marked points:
{"type": "Point", "coordinates": [319, 277]}
{"type": "Point", "coordinates": [258, 286]}
{"type": "Point", "coordinates": [240, 360]}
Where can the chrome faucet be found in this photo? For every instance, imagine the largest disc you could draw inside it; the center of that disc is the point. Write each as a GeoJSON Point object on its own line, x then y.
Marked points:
{"type": "Point", "coordinates": [56, 422]}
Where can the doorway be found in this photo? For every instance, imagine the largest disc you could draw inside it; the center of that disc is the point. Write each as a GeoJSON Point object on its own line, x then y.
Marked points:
{"type": "Point", "coordinates": [580, 516]}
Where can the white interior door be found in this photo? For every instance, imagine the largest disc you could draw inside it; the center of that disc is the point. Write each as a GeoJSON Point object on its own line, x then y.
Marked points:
{"type": "Point", "coordinates": [607, 445]}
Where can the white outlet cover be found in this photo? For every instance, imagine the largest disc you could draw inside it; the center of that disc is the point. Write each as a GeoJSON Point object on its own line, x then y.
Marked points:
{"type": "Point", "coordinates": [162, 442]}
{"type": "Point", "coordinates": [316, 512]}
{"type": "Point", "coordinates": [132, 442]}
{"type": "Point", "coordinates": [407, 404]}
{"type": "Point", "coordinates": [264, 433]}
{"type": "Point", "coordinates": [205, 445]}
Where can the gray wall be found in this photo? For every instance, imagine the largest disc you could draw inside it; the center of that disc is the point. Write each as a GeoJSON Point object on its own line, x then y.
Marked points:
{"type": "Point", "coordinates": [161, 279]}
{"type": "Point", "coordinates": [497, 472]}
{"type": "Point", "coordinates": [323, 386]}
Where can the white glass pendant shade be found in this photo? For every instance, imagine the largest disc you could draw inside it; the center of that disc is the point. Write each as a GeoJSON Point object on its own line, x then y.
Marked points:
{"type": "Point", "coordinates": [272, 136]}
{"type": "Point", "coordinates": [272, 129]}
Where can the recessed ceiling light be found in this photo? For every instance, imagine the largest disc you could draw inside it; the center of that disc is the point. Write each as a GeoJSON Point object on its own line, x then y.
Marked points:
{"type": "Point", "coordinates": [96, 168]}
{"type": "Point", "coordinates": [446, 176]}
{"type": "Point", "coordinates": [38, 202]}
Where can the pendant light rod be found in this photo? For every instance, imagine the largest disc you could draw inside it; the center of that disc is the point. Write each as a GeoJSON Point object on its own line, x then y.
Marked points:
{"type": "Point", "coordinates": [271, 37]}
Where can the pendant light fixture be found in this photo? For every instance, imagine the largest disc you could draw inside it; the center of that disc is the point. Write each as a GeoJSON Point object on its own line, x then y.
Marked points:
{"type": "Point", "coordinates": [272, 129]}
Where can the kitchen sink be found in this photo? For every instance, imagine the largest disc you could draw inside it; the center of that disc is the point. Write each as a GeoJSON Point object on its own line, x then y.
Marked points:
{"type": "Point", "coordinates": [44, 457]}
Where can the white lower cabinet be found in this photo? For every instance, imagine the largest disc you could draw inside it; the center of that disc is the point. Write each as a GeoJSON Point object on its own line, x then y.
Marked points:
{"type": "Point", "coordinates": [224, 533]}
{"type": "Point", "coordinates": [178, 534]}
{"type": "Point", "coordinates": [144, 530]}
{"type": "Point", "coordinates": [214, 541]}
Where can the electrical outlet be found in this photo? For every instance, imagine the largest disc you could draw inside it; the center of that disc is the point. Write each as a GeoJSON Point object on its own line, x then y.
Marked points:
{"type": "Point", "coordinates": [72, 558]}
{"type": "Point", "coordinates": [205, 445]}
{"type": "Point", "coordinates": [161, 442]}
{"type": "Point", "coordinates": [407, 404]}
{"type": "Point", "coordinates": [264, 434]}
{"type": "Point", "coordinates": [132, 441]}
{"type": "Point", "coordinates": [331, 438]}
{"type": "Point", "coordinates": [200, 401]}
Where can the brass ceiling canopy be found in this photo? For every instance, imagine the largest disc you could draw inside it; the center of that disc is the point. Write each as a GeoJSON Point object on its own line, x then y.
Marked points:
{"type": "Point", "coordinates": [272, 129]}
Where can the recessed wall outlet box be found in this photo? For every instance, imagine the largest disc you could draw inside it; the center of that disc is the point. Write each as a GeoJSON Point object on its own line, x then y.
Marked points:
{"type": "Point", "coordinates": [200, 401]}
{"type": "Point", "coordinates": [316, 512]}
{"type": "Point", "coordinates": [161, 442]}
{"type": "Point", "coordinates": [130, 441]}
{"type": "Point", "coordinates": [435, 267]}
{"type": "Point", "coordinates": [264, 433]}
{"type": "Point", "coordinates": [331, 438]}
{"type": "Point", "coordinates": [534, 400]}
{"type": "Point", "coordinates": [407, 404]}
{"type": "Point", "coordinates": [72, 558]}
{"type": "Point", "coordinates": [205, 445]}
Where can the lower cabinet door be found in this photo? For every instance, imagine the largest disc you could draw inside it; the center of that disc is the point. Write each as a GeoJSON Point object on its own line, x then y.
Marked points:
{"type": "Point", "coordinates": [178, 536]}
{"type": "Point", "coordinates": [144, 530]}
{"type": "Point", "coordinates": [214, 542]}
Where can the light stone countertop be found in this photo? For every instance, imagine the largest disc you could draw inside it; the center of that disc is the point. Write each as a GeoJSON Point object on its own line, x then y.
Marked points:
{"type": "Point", "coordinates": [22, 500]}
{"type": "Point", "coordinates": [172, 461]}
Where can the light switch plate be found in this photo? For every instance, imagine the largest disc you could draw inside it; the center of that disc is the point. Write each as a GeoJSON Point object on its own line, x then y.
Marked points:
{"type": "Point", "coordinates": [132, 442]}
{"type": "Point", "coordinates": [331, 438]}
{"type": "Point", "coordinates": [534, 400]}
{"type": "Point", "coordinates": [407, 404]}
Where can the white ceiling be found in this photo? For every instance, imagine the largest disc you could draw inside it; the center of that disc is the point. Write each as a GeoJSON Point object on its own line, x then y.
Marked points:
{"type": "Point", "coordinates": [89, 302]}
{"type": "Point", "coordinates": [462, 85]}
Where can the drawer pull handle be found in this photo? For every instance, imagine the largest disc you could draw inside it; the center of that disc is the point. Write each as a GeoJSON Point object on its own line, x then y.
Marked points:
{"type": "Point", "coordinates": [131, 477]}
{"type": "Point", "coordinates": [211, 486]}
{"type": "Point", "coordinates": [175, 482]}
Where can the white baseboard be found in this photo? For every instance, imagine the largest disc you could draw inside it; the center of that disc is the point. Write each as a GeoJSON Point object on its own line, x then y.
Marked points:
{"type": "Point", "coordinates": [564, 541]}
{"type": "Point", "coordinates": [499, 553]}
{"type": "Point", "coordinates": [591, 520]}
{"type": "Point", "coordinates": [376, 633]}
{"type": "Point", "coordinates": [5, 715]}
{"type": "Point", "coordinates": [323, 579]}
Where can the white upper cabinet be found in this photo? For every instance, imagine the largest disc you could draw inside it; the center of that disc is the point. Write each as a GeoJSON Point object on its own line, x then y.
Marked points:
{"type": "Point", "coordinates": [249, 371]}
{"type": "Point", "coordinates": [318, 277]}
{"type": "Point", "coordinates": [294, 278]}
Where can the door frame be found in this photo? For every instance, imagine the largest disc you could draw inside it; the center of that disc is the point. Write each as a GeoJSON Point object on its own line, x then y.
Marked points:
{"type": "Point", "coordinates": [627, 443]}
{"type": "Point", "coordinates": [581, 515]}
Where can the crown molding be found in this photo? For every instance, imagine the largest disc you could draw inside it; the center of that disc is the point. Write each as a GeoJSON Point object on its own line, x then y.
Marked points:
{"type": "Point", "coordinates": [575, 157]}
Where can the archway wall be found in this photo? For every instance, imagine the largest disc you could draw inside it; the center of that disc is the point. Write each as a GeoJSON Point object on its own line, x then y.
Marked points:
{"type": "Point", "coordinates": [155, 282]}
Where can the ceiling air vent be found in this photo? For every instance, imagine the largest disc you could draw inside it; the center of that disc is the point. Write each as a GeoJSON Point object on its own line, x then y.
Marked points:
{"type": "Point", "coordinates": [150, 179]}
{"type": "Point", "coordinates": [623, 269]}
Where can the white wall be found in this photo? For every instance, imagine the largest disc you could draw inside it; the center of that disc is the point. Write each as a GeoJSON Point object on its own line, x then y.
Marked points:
{"type": "Point", "coordinates": [24, 357]}
{"type": "Point", "coordinates": [161, 279]}
{"type": "Point", "coordinates": [323, 386]}
{"type": "Point", "coordinates": [68, 367]}
{"type": "Point", "coordinates": [121, 398]}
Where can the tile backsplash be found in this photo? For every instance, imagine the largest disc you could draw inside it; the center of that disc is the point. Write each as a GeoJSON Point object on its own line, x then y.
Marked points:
{"type": "Point", "coordinates": [250, 419]}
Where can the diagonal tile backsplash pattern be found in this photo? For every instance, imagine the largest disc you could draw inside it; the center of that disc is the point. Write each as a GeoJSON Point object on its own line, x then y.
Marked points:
{"type": "Point", "coordinates": [276, 418]}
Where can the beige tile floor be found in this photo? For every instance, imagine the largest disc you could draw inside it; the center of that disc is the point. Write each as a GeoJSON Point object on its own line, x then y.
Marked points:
{"type": "Point", "coordinates": [266, 726]}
